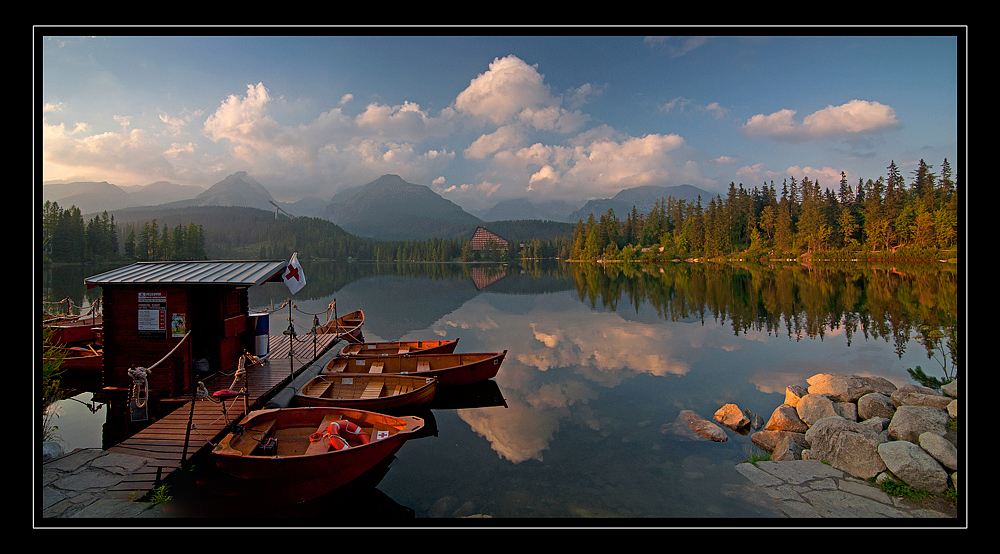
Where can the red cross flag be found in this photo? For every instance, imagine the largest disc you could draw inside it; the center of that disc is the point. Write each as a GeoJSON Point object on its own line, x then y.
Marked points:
{"type": "Point", "coordinates": [293, 276]}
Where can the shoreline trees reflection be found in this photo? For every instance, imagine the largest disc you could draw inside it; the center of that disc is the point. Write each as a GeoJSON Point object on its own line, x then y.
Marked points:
{"type": "Point", "coordinates": [892, 302]}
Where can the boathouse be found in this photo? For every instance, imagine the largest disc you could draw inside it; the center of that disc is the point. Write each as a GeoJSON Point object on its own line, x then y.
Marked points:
{"type": "Point", "coordinates": [483, 239]}
{"type": "Point", "coordinates": [149, 307]}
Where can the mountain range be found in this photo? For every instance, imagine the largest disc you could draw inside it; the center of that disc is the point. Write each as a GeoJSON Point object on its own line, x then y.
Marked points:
{"type": "Point", "coordinates": [388, 208]}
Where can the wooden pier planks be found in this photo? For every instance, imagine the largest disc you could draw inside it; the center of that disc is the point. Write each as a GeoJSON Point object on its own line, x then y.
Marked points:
{"type": "Point", "coordinates": [162, 442]}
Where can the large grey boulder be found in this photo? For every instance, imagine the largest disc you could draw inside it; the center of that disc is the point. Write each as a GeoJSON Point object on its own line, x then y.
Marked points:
{"type": "Point", "coordinates": [909, 422]}
{"type": "Point", "coordinates": [916, 395]}
{"type": "Point", "coordinates": [846, 445]}
{"type": "Point", "coordinates": [786, 418]}
{"type": "Point", "coordinates": [814, 407]}
{"type": "Point", "coordinates": [913, 466]}
{"type": "Point", "coordinates": [940, 448]}
{"type": "Point", "coordinates": [875, 404]}
{"type": "Point", "coordinates": [848, 388]}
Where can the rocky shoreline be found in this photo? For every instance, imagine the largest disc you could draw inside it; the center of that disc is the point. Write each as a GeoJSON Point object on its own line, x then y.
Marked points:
{"type": "Point", "coordinates": [865, 427]}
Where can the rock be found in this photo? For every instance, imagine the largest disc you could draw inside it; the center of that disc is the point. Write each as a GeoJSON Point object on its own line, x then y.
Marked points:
{"type": "Point", "coordinates": [756, 422]}
{"type": "Point", "coordinates": [875, 404]}
{"type": "Point", "coordinates": [732, 417]}
{"type": "Point", "coordinates": [790, 447]}
{"type": "Point", "coordinates": [847, 388]}
{"type": "Point", "coordinates": [691, 426]}
{"type": "Point", "coordinates": [846, 445]}
{"type": "Point", "coordinates": [913, 466]}
{"type": "Point", "coordinates": [814, 407]}
{"type": "Point", "coordinates": [909, 422]}
{"type": "Point", "coordinates": [51, 450]}
{"type": "Point", "coordinates": [940, 449]}
{"type": "Point", "coordinates": [793, 393]}
{"type": "Point", "coordinates": [768, 440]}
{"type": "Point", "coordinates": [953, 408]}
{"type": "Point", "coordinates": [785, 418]}
{"type": "Point", "coordinates": [846, 410]}
{"type": "Point", "coordinates": [914, 395]}
{"type": "Point", "coordinates": [951, 389]}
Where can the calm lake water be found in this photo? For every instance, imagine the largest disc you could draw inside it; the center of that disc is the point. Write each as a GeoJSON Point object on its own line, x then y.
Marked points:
{"type": "Point", "coordinates": [601, 361]}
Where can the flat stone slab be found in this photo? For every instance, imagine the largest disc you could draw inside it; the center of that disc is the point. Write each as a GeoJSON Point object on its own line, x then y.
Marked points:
{"type": "Point", "coordinates": [812, 489]}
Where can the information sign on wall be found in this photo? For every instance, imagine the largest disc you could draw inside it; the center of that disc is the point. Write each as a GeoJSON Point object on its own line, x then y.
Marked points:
{"type": "Point", "coordinates": [152, 315]}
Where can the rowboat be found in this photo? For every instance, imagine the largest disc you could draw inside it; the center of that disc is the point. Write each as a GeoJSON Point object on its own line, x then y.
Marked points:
{"type": "Point", "coordinates": [86, 358]}
{"type": "Point", "coordinates": [450, 369]}
{"type": "Point", "coordinates": [311, 450]}
{"type": "Point", "coordinates": [392, 348]}
{"type": "Point", "coordinates": [347, 326]}
{"type": "Point", "coordinates": [379, 392]}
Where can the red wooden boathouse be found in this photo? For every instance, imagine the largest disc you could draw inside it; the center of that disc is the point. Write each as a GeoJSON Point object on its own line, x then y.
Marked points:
{"type": "Point", "coordinates": [150, 306]}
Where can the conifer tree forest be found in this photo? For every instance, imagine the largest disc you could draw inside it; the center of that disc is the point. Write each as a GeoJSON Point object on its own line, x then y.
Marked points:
{"type": "Point", "coordinates": [872, 219]}
{"type": "Point", "coordinates": [66, 238]}
{"type": "Point", "coordinates": [864, 220]}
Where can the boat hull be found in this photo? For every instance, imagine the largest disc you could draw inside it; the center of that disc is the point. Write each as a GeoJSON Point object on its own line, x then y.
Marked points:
{"type": "Point", "coordinates": [396, 348]}
{"type": "Point", "coordinates": [324, 471]}
{"type": "Point", "coordinates": [372, 392]}
{"type": "Point", "coordinates": [348, 327]}
{"type": "Point", "coordinates": [449, 369]}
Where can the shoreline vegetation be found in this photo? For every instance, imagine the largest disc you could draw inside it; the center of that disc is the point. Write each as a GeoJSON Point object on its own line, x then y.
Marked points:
{"type": "Point", "coordinates": [882, 220]}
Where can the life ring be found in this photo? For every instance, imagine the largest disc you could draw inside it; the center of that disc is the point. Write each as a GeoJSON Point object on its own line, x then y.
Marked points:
{"type": "Point", "coordinates": [337, 429]}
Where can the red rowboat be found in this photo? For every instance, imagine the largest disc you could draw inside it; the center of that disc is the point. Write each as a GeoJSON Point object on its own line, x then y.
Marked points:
{"type": "Point", "coordinates": [378, 392]}
{"type": "Point", "coordinates": [311, 450]}
{"type": "Point", "coordinates": [450, 369]}
{"type": "Point", "coordinates": [393, 348]}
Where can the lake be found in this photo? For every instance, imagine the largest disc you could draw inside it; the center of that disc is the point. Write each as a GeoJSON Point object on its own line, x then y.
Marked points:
{"type": "Point", "coordinates": [601, 361]}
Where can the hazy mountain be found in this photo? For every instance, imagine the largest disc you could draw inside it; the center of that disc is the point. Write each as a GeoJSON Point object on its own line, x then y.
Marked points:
{"type": "Point", "coordinates": [643, 198]}
{"type": "Point", "coordinates": [89, 196]}
{"type": "Point", "coordinates": [238, 189]}
{"type": "Point", "coordinates": [389, 208]}
{"type": "Point", "coordinates": [95, 197]}
{"type": "Point", "coordinates": [522, 208]}
{"type": "Point", "coordinates": [161, 192]}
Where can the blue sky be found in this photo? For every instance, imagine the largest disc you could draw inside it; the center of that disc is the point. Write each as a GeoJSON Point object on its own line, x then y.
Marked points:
{"type": "Point", "coordinates": [481, 119]}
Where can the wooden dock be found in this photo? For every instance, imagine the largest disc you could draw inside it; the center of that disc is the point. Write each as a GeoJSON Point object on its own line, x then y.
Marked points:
{"type": "Point", "coordinates": [162, 443]}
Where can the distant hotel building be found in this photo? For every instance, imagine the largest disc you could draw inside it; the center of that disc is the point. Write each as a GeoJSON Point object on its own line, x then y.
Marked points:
{"type": "Point", "coordinates": [482, 238]}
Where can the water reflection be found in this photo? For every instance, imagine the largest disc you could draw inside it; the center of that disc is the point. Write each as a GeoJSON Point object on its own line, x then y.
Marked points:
{"type": "Point", "coordinates": [601, 358]}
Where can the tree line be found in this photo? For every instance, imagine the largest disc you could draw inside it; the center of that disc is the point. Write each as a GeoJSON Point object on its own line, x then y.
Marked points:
{"type": "Point", "coordinates": [865, 220]}
{"type": "Point", "coordinates": [873, 216]}
{"type": "Point", "coordinates": [67, 238]}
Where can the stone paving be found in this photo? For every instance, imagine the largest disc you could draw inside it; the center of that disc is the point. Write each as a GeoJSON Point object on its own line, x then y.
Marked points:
{"type": "Point", "coordinates": [812, 489]}
{"type": "Point", "coordinates": [75, 485]}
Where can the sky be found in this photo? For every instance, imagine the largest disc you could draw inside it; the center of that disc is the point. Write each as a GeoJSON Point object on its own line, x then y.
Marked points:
{"type": "Point", "coordinates": [544, 114]}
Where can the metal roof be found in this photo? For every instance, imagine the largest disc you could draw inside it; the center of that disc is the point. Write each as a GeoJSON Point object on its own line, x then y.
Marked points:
{"type": "Point", "coordinates": [191, 273]}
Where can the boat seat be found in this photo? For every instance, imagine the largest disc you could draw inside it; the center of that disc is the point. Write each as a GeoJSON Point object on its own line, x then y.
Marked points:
{"type": "Point", "coordinates": [404, 349]}
{"type": "Point", "coordinates": [373, 390]}
{"type": "Point", "coordinates": [423, 365]}
{"type": "Point", "coordinates": [403, 388]}
{"type": "Point", "coordinates": [339, 365]}
{"type": "Point", "coordinates": [376, 367]}
{"type": "Point", "coordinates": [320, 388]}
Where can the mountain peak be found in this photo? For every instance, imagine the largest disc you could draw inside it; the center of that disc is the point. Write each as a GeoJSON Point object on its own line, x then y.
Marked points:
{"type": "Point", "coordinates": [391, 208]}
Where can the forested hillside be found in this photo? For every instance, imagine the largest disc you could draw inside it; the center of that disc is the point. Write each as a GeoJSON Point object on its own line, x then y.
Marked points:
{"type": "Point", "coordinates": [872, 219]}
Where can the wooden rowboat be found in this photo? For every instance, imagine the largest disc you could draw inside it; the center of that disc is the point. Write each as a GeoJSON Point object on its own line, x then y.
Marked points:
{"type": "Point", "coordinates": [378, 392]}
{"type": "Point", "coordinates": [450, 369]}
{"type": "Point", "coordinates": [85, 358]}
{"type": "Point", "coordinates": [393, 348]}
{"type": "Point", "coordinates": [304, 448]}
{"type": "Point", "coordinates": [347, 326]}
